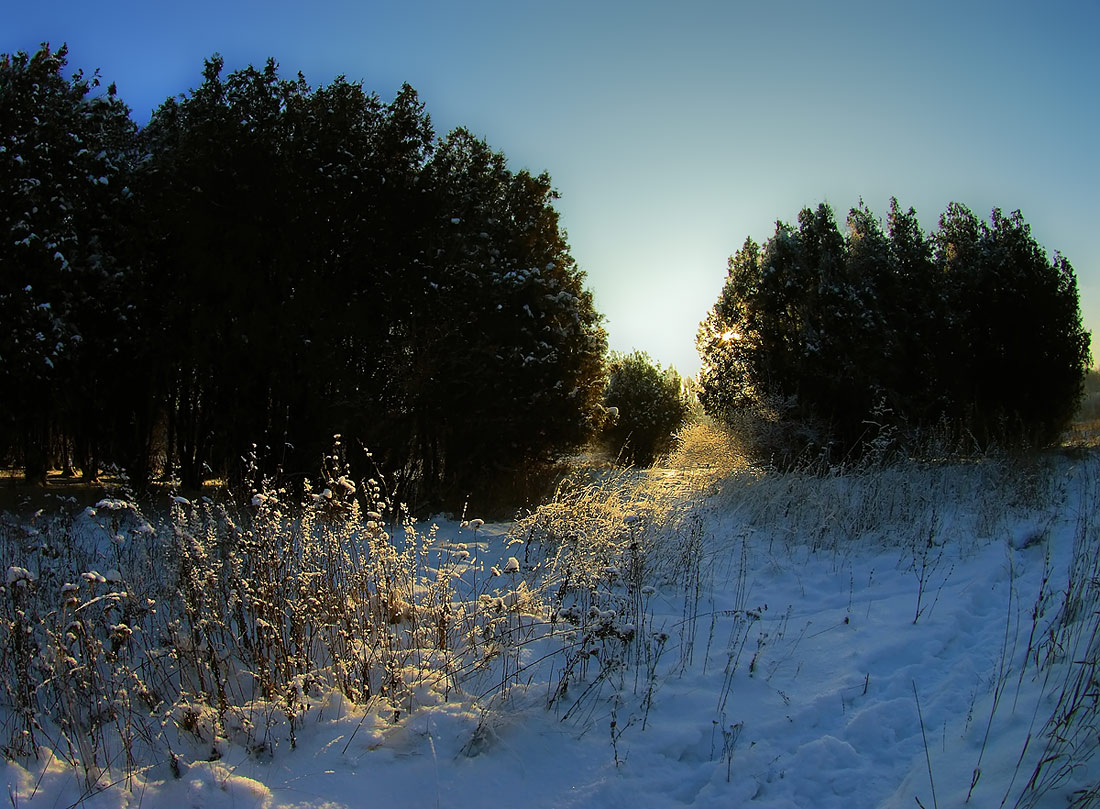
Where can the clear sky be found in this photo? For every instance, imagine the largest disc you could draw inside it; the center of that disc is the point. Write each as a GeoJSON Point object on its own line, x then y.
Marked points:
{"type": "Point", "coordinates": [674, 130]}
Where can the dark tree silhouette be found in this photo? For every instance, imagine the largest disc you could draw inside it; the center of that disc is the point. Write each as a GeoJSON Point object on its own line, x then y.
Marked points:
{"type": "Point", "coordinates": [836, 341]}
{"type": "Point", "coordinates": [325, 265]}
{"type": "Point", "coordinates": [65, 310]}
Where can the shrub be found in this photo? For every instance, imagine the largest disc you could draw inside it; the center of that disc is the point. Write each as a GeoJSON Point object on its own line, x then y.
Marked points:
{"type": "Point", "coordinates": [648, 404]}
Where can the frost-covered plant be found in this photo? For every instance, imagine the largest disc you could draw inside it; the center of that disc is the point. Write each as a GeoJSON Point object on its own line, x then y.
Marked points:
{"type": "Point", "coordinates": [704, 447]}
{"type": "Point", "coordinates": [1069, 663]}
{"type": "Point", "coordinates": [68, 652]}
{"type": "Point", "coordinates": [227, 623]}
{"type": "Point", "coordinates": [602, 547]}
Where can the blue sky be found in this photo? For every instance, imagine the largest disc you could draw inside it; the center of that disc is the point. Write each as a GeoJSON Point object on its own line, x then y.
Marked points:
{"type": "Point", "coordinates": [675, 130]}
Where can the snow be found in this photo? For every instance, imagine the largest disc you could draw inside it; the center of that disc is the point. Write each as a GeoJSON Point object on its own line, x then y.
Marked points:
{"type": "Point", "coordinates": [17, 575]}
{"type": "Point", "coordinates": [830, 659]}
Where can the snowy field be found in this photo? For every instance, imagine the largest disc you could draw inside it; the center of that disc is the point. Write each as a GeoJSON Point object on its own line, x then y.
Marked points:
{"type": "Point", "coordinates": [909, 636]}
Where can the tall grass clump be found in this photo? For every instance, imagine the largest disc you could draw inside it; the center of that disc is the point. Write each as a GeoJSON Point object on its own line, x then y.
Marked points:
{"type": "Point", "coordinates": [1065, 658]}
{"type": "Point", "coordinates": [603, 546]}
{"type": "Point", "coordinates": [125, 639]}
{"type": "Point", "coordinates": [130, 642]}
{"type": "Point", "coordinates": [897, 502]}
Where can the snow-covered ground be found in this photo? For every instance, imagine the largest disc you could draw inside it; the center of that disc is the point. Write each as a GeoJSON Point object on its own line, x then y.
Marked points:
{"type": "Point", "coordinates": [893, 639]}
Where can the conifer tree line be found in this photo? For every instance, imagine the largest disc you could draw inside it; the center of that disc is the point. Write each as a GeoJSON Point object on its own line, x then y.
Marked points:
{"type": "Point", "coordinates": [829, 344]}
{"type": "Point", "coordinates": [266, 264]}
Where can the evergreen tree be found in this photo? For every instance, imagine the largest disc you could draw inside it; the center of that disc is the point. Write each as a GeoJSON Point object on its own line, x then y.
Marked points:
{"type": "Point", "coordinates": [1016, 312]}
{"type": "Point", "coordinates": [344, 272]}
{"type": "Point", "coordinates": [267, 265]}
{"type": "Point", "coordinates": [64, 310]}
{"type": "Point", "coordinates": [506, 347]}
{"type": "Point", "coordinates": [840, 338]}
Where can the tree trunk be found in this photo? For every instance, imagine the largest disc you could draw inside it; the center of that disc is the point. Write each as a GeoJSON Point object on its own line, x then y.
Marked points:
{"type": "Point", "coordinates": [36, 450]}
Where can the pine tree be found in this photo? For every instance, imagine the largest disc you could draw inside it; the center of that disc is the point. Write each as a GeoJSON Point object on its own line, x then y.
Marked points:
{"type": "Point", "coordinates": [841, 340]}
{"type": "Point", "coordinates": [64, 345]}
{"type": "Point", "coordinates": [326, 266]}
